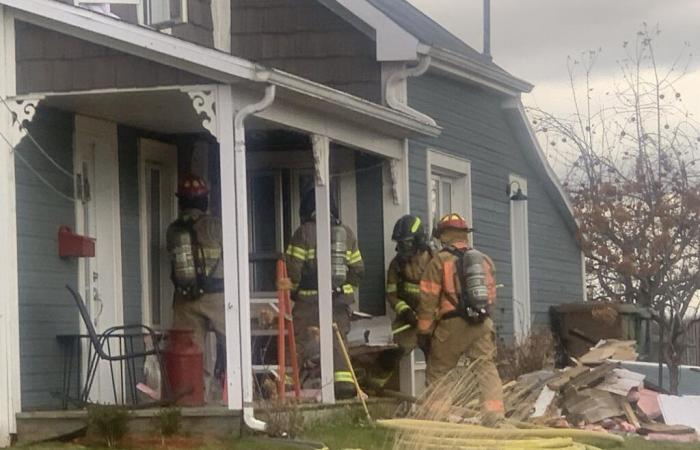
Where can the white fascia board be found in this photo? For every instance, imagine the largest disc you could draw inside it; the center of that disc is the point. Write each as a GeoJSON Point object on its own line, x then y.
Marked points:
{"type": "Point", "coordinates": [393, 42]}
{"type": "Point", "coordinates": [517, 106]}
{"type": "Point", "coordinates": [132, 39]}
{"type": "Point", "coordinates": [457, 65]}
{"type": "Point", "coordinates": [358, 105]}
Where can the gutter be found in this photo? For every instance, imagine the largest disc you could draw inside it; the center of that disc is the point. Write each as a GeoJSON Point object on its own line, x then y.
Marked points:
{"type": "Point", "coordinates": [243, 286]}
{"type": "Point", "coordinates": [401, 75]}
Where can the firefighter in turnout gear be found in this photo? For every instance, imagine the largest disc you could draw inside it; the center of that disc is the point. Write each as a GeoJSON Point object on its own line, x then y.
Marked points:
{"type": "Point", "coordinates": [194, 242]}
{"type": "Point", "coordinates": [403, 291]}
{"type": "Point", "coordinates": [457, 289]}
{"type": "Point", "coordinates": [347, 271]}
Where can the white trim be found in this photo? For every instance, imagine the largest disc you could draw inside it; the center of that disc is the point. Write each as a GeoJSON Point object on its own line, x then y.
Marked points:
{"type": "Point", "coordinates": [393, 42]}
{"type": "Point", "coordinates": [454, 167]}
{"type": "Point", "coordinates": [166, 155]}
{"type": "Point", "coordinates": [583, 277]}
{"type": "Point", "coordinates": [109, 239]}
{"type": "Point", "coordinates": [10, 377]}
{"type": "Point", "coordinates": [193, 58]}
{"type": "Point", "coordinates": [221, 16]}
{"type": "Point", "coordinates": [520, 253]}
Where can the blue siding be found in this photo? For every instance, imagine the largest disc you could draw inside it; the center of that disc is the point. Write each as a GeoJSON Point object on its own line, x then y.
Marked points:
{"type": "Point", "coordinates": [370, 233]}
{"type": "Point", "coordinates": [131, 237]}
{"type": "Point", "coordinates": [45, 308]}
{"type": "Point", "coordinates": [475, 128]}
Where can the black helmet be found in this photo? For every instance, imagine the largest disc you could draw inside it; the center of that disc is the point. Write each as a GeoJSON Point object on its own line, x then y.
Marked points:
{"type": "Point", "coordinates": [307, 208]}
{"type": "Point", "coordinates": [408, 227]}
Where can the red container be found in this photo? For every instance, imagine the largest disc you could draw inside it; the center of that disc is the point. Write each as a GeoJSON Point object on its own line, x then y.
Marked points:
{"type": "Point", "coordinates": [71, 245]}
{"type": "Point", "coordinates": [184, 364]}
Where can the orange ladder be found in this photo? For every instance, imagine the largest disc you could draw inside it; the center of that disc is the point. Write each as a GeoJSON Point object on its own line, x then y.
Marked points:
{"type": "Point", "coordinates": [285, 326]}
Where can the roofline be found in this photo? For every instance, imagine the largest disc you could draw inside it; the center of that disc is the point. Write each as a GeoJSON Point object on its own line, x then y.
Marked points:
{"type": "Point", "coordinates": [209, 63]}
{"type": "Point", "coordinates": [565, 204]}
{"type": "Point", "coordinates": [453, 63]}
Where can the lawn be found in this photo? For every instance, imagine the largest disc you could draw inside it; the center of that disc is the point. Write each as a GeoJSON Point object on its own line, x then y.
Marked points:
{"type": "Point", "coordinates": [345, 436]}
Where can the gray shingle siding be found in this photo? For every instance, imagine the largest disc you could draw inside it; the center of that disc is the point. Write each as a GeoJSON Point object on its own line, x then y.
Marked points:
{"type": "Point", "coordinates": [475, 128]}
{"type": "Point", "coordinates": [130, 226]}
{"type": "Point", "coordinates": [45, 308]}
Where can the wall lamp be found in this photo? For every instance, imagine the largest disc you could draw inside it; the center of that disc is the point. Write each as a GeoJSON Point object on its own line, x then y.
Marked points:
{"type": "Point", "coordinates": [519, 195]}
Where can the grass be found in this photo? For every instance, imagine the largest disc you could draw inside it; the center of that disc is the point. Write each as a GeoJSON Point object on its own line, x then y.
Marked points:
{"type": "Point", "coordinates": [342, 435]}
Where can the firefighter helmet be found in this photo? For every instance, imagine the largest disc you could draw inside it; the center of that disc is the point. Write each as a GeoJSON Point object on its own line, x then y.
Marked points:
{"type": "Point", "coordinates": [452, 221]}
{"type": "Point", "coordinates": [307, 208]}
{"type": "Point", "coordinates": [408, 227]}
{"type": "Point", "coordinates": [192, 186]}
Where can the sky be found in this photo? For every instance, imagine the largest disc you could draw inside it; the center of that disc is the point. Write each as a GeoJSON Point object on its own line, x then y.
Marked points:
{"type": "Point", "coordinates": [532, 38]}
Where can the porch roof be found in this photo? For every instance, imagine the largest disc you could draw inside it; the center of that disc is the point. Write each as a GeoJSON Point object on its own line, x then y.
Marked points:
{"type": "Point", "coordinates": [213, 64]}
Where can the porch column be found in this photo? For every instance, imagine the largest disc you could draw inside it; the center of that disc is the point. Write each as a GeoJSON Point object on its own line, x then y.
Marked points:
{"type": "Point", "coordinates": [10, 402]}
{"type": "Point", "coordinates": [321, 150]}
{"type": "Point", "coordinates": [229, 218]}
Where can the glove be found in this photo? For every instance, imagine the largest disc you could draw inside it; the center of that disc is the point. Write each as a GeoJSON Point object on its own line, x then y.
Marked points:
{"type": "Point", "coordinates": [424, 343]}
{"type": "Point", "coordinates": [408, 316]}
{"type": "Point", "coordinates": [284, 284]}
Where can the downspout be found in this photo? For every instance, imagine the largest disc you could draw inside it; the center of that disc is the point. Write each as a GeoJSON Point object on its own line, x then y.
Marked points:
{"type": "Point", "coordinates": [400, 75]}
{"type": "Point", "coordinates": [243, 285]}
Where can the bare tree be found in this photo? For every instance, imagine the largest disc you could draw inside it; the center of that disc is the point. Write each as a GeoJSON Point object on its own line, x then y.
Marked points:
{"type": "Point", "coordinates": [630, 156]}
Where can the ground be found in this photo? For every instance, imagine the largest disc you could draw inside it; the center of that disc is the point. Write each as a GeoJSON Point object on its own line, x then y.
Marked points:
{"type": "Point", "coordinates": [342, 436]}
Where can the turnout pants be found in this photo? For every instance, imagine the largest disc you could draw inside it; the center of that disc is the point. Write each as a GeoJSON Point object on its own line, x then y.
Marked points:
{"type": "Point", "coordinates": [306, 332]}
{"type": "Point", "coordinates": [200, 315]}
{"type": "Point", "coordinates": [455, 337]}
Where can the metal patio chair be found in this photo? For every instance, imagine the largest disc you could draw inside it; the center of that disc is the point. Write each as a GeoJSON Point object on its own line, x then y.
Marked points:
{"type": "Point", "coordinates": [101, 350]}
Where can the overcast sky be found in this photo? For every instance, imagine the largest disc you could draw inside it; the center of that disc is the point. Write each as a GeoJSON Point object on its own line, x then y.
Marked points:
{"type": "Point", "coordinates": [532, 38]}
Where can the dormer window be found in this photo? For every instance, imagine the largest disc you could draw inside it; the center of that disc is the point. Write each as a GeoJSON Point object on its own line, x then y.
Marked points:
{"type": "Point", "coordinates": [161, 14]}
{"type": "Point", "coordinates": [103, 6]}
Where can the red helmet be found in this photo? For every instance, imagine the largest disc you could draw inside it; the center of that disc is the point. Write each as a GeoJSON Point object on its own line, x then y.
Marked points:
{"type": "Point", "coordinates": [453, 221]}
{"type": "Point", "coordinates": [192, 186]}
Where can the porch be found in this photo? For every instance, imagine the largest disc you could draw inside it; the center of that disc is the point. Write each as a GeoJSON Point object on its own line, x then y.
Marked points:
{"type": "Point", "coordinates": [127, 148]}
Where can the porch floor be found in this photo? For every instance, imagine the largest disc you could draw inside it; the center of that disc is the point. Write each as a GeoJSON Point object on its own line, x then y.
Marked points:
{"type": "Point", "coordinates": [210, 421]}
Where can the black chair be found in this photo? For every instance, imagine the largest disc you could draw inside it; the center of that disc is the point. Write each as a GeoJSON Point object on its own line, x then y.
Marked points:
{"type": "Point", "coordinates": [101, 350]}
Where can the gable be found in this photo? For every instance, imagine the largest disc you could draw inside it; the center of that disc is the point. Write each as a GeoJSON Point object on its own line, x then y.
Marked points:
{"type": "Point", "coordinates": [48, 61]}
{"type": "Point", "coordinates": [305, 38]}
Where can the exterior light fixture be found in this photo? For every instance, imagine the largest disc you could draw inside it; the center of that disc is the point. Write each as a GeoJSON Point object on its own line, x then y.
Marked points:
{"type": "Point", "coordinates": [519, 195]}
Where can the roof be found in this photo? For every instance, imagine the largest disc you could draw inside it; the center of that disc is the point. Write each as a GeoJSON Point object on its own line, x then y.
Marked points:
{"type": "Point", "coordinates": [431, 33]}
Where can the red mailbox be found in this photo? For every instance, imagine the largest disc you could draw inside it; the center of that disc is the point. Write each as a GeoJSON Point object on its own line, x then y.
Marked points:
{"type": "Point", "coordinates": [71, 245]}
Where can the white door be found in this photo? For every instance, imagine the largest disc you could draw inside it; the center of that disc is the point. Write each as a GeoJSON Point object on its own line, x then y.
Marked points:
{"type": "Point", "coordinates": [96, 168]}
{"type": "Point", "coordinates": [158, 206]}
{"type": "Point", "coordinates": [520, 255]}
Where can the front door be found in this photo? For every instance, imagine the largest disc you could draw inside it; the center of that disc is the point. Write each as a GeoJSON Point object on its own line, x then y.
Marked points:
{"type": "Point", "coordinates": [158, 205]}
{"type": "Point", "coordinates": [97, 215]}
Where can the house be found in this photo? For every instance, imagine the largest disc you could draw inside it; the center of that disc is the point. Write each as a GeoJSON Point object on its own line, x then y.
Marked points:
{"type": "Point", "coordinates": [366, 99]}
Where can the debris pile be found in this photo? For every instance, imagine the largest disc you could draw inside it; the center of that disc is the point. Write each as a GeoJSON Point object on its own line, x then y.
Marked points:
{"type": "Point", "coordinates": [596, 394]}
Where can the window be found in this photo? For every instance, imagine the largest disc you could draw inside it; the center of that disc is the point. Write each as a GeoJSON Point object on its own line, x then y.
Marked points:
{"type": "Point", "coordinates": [449, 181]}
{"type": "Point", "coordinates": [161, 14]}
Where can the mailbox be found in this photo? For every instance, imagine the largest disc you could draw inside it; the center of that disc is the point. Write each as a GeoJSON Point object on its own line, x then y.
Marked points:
{"type": "Point", "coordinates": [71, 245]}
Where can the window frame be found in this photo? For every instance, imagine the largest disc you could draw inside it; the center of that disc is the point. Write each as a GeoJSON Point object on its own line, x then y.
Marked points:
{"type": "Point", "coordinates": [458, 171]}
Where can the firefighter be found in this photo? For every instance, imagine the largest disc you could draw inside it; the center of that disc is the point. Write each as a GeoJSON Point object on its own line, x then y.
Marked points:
{"type": "Point", "coordinates": [413, 254]}
{"type": "Point", "coordinates": [451, 324]}
{"type": "Point", "coordinates": [347, 271]}
{"type": "Point", "coordinates": [194, 242]}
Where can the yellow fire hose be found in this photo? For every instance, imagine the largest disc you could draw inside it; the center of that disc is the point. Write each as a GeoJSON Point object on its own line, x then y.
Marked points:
{"type": "Point", "coordinates": [504, 437]}
{"type": "Point", "coordinates": [346, 356]}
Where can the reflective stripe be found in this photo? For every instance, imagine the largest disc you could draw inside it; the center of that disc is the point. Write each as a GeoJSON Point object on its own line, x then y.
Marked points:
{"type": "Point", "coordinates": [354, 257]}
{"type": "Point", "coordinates": [415, 225]}
{"type": "Point", "coordinates": [348, 289]}
{"type": "Point", "coordinates": [311, 253]}
{"type": "Point", "coordinates": [430, 287]}
{"type": "Point", "coordinates": [343, 377]}
{"type": "Point", "coordinates": [308, 293]}
{"type": "Point", "coordinates": [494, 406]}
{"type": "Point", "coordinates": [297, 252]}
{"type": "Point", "coordinates": [391, 288]}
{"type": "Point", "coordinates": [401, 306]}
{"type": "Point", "coordinates": [411, 288]}
{"type": "Point", "coordinates": [448, 271]}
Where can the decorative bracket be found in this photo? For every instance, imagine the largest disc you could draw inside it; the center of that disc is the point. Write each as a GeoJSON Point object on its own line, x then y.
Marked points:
{"type": "Point", "coordinates": [204, 103]}
{"type": "Point", "coordinates": [21, 112]}
{"type": "Point", "coordinates": [394, 173]}
{"type": "Point", "coordinates": [321, 149]}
